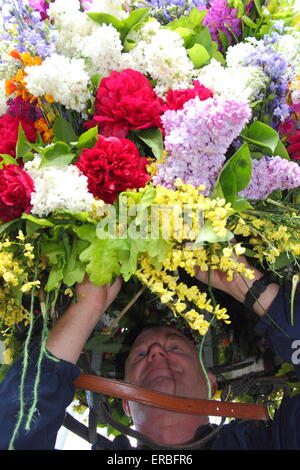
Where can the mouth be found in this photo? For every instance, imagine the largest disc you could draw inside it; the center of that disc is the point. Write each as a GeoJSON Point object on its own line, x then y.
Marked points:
{"type": "Point", "coordinates": [155, 374]}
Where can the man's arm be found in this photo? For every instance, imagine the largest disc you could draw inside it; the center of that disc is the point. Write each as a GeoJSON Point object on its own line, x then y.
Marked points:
{"type": "Point", "coordinates": [273, 306]}
{"type": "Point", "coordinates": [55, 388]}
{"type": "Point", "coordinates": [70, 333]}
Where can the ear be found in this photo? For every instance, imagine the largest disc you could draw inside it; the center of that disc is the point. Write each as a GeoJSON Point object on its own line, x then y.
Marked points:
{"type": "Point", "coordinates": [214, 385]}
{"type": "Point", "coordinates": [126, 407]}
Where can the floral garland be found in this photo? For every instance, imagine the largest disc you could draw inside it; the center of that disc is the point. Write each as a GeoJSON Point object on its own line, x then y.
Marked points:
{"type": "Point", "coordinates": [142, 139]}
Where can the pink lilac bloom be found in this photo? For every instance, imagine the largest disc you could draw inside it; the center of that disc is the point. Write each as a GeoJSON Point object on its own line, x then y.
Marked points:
{"type": "Point", "coordinates": [270, 174]}
{"type": "Point", "coordinates": [197, 138]}
{"type": "Point", "coordinates": [222, 18]}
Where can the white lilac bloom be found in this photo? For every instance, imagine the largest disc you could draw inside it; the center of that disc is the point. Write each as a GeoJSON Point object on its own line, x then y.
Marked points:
{"type": "Point", "coordinates": [72, 25]}
{"type": "Point", "coordinates": [3, 98]}
{"type": "Point", "coordinates": [8, 65]}
{"type": "Point", "coordinates": [289, 46]}
{"type": "Point", "coordinates": [161, 54]}
{"type": "Point", "coordinates": [240, 83]}
{"type": "Point", "coordinates": [102, 51]}
{"type": "Point", "coordinates": [63, 78]}
{"type": "Point", "coordinates": [236, 55]}
{"type": "Point", "coordinates": [58, 188]}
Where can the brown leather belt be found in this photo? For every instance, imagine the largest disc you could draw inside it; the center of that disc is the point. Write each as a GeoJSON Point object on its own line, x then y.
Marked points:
{"type": "Point", "coordinates": [115, 388]}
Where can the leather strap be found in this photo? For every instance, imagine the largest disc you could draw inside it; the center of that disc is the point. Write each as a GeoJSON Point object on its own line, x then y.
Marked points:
{"type": "Point", "coordinates": [149, 397]}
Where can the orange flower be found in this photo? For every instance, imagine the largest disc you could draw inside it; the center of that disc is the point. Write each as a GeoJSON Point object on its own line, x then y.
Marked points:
{"type": "Point", "coordinates": [44, 130]}
{"type": "Point", "coordinates": [17, 84]}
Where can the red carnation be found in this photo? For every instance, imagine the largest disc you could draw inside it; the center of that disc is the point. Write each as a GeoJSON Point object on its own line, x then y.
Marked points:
{"type": "Point", "coordinates": [126, 101]}
{"type": "Point", "coordinates": [294, 148]}
{"type": "Point", "coordinates": [9, 126]}
{"type": "Point", "coordinates": [16, 187]}
{"type": "Point", "coordinates": [113, 165]}
{"type": "Point", "coordinates": [177, 98]}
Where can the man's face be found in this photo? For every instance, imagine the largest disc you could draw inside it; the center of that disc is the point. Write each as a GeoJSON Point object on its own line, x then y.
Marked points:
{"type": "Point", "coordinates": [164, 360]}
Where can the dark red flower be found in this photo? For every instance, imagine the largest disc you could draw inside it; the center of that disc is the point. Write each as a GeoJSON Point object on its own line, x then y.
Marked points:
{"type": "Point", "coordinates": [16, 187]}
{"type": "Point", "coordinates": [126, 101]}
{"type": "Point", "coordinates": [176, 98]}
{"type": "Point", "coordinates": [113, 165]}
{"type": "Point", "coordinates": [9, 126]}
{"type": "Point", "coordinates": [294, 148]}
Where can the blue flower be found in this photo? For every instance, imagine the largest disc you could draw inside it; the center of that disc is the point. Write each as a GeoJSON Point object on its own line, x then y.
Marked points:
{"type": "Point", "coordinates": [167, 10]}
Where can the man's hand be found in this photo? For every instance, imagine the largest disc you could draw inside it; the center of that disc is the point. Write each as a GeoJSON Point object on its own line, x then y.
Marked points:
{"type": "Point", "coordinates": [239, 286]}
{"type": "Point", "coordinates": [70, 333]}
{"type": "Point", "coordinates": [97, 298]}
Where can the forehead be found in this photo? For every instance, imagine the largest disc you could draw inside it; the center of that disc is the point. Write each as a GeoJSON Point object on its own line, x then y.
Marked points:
{"type": "Point", "coordinates": [160, 333]}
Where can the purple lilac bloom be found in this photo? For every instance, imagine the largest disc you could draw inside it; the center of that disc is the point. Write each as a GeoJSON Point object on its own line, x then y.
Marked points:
{"type": "Point", "coordinates": [168, 10]}
{"type": "Point", "coordinates": [275, 66]}
{"type": "Point", "coordinates": [197, 138]}
{"type": "Point", "coordinates": [34, 36]}
{"type": "Point", "coordinates": [222, 18]}
{"type": "Point", "coordinates": [270, 174]}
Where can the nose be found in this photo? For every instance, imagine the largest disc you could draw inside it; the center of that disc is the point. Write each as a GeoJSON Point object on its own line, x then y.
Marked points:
{"type": "Point", "coordinates": [156, 351]}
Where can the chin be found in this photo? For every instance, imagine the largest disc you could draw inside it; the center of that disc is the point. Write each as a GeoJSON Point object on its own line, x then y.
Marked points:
{"type": "Point", "coordinates": [163, 384]}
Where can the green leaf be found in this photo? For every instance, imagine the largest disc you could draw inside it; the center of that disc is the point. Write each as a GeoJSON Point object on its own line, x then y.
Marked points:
{"type": "Point", "coordinates": [196, 16]}
{"type": "Point", "coordinates": [54, 250]}
{"type": "Point", "coordinates": [262, 135]}
{"type": "Point", "coordinates": [129, 44]}
{"type": "Point", "coordinates": [63, 131]}
{"type": "Point", "coordinates": [153, 138]}
{"type": "Point", "coordinates": [95, 80]}
{"type": "Point", "coordinates": [105, 18]}
{"type": "Point", "coordinates": [157, 249]}
{"type": "Point", "coordinates": [209, 235]}
{"type": "Point", "coordinates": [192, 21]}
{"type": "Point", "coordinates": [101, 256]}
{"type": "Point", "coordinates": [8, 226]}
{"type": "Point", "coordinates": [41, 222]}
{"type": "Point", "coordinates": [135, 19]}
{"type": "Point", "coordinates": [240, 204]}
{"type": "Point", "coordinates": [227, 183]}
{"type": "Point", "coordinates": [55, 278]}
{"type": "Point", "coordinates": [224, 39]}
{"type": "Point", "coordinates": [186, 34]}
{"type": "Point", "coordinates": [7, 160]}
{"type": "Point", "coordinates": [23, 145]}
{"type": "Point", "coordinates": [88, 139]}
{"type": "Point", "coordinates": [198, 55]}
{"type": "Point", "coordinates": [281, 151]}
{"type": "Point", "coordinates": [249, 22]}
{"type": "Point", "coordinates": [235, 175]}
{"type": "Point", "coordinates": [57, 154]}
{"type": "Point", "coordinates": [74, 270]}
{"type": "Point", "coordinates": [204, 38]}
{"type": "Point", "coordinates": [281, 261]}
{"type": "Point", "coordinates": [258, 7]}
